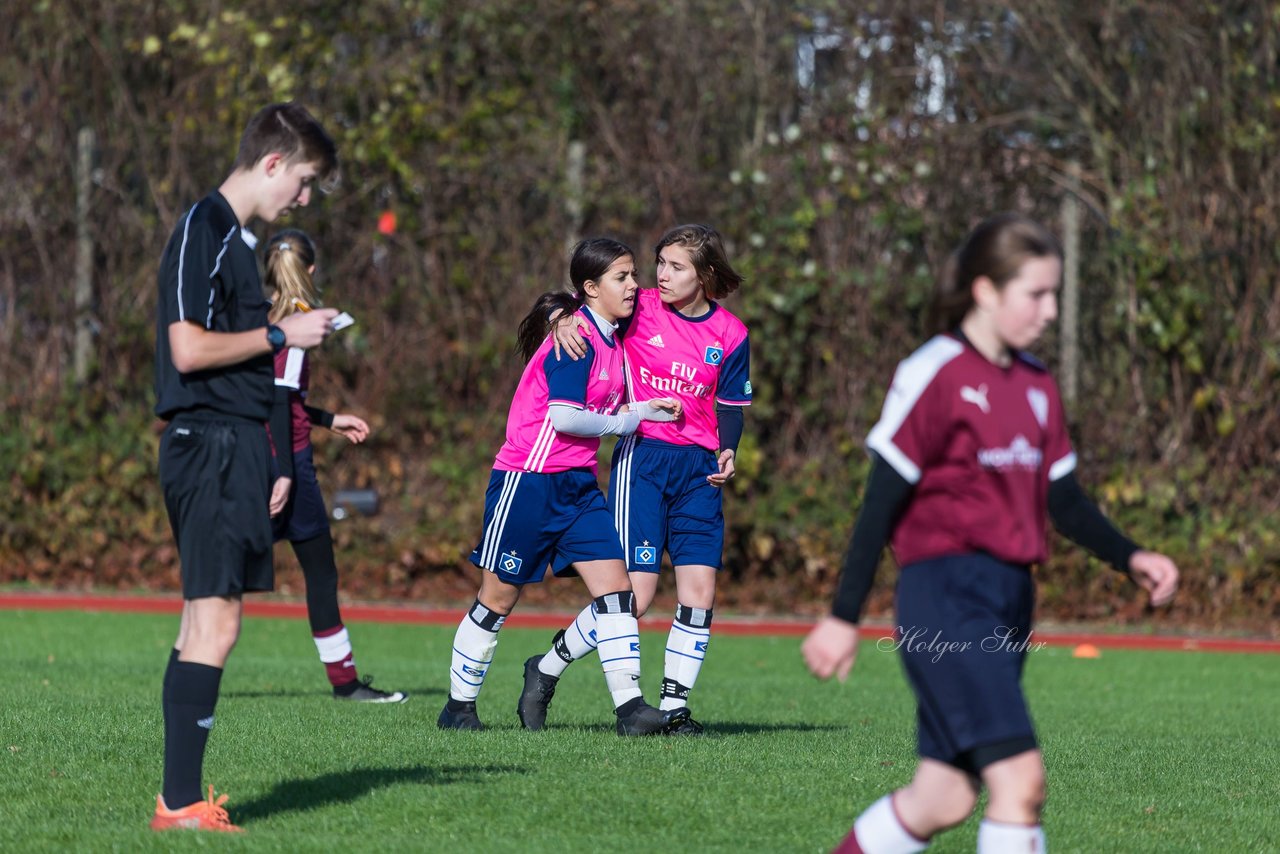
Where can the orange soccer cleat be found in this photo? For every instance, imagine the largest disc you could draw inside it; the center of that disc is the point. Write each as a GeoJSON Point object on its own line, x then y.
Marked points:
{"type": "Point", "coordinates": [202, 815]}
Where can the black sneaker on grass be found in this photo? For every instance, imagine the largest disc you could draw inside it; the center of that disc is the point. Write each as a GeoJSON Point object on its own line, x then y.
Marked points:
{"type": "Point", "coordinates": [636, 717]}
{"type": "Point", "coordinates": [364, 692]}
{"type": "Point", "coordinates": [459, 714]}
{"type": "Point", "coordinates": [687, 726]}
{"type": "Point", "coordinates": [535, 699]}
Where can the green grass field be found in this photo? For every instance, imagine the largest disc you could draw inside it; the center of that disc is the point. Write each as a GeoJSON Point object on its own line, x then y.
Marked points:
{"type": "Point", "coordinates": [1146, 751]}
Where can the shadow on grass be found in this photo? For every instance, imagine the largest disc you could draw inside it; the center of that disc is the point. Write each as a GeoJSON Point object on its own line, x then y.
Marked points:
{"type": "Point", "coordinates": [723, 728]}
{"type": "Point", "coordinates": [346, 786]}
{"type": "Point", "coordinates": [716, 729]}
{"type": "Point", "coordinates": [413, 693]}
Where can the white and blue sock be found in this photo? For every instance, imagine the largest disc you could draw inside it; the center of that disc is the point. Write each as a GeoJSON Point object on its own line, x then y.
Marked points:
{"type": "Point", "coordinates": [570, 644]}
{"type": "Point", "coordinates": [618, 640]}
{"type": "Point", "coordinates": [473, 646]}
{"type": "Point", "coordinates": [686, 650]}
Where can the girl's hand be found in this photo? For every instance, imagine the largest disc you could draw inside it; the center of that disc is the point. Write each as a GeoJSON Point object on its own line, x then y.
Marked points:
{"type": "Point", "coordinates": [351, 426]}
{"type": "Point", "coordinates": [831, 648]}
{"type": "Point", "coordinates": [279, 495]}
{"type": "Point", "coordinates": [667, 404]}
{"type": "Point", "coordinates": [1156, 574]}
{"type": "Point", "coordinates": [726, 472]}
{"type": "Point", "coordinates": [570, 334]}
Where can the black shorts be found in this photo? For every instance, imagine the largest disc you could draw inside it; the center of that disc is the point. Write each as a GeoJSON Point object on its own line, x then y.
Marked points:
{"type": "Point", "coordinates": [964, 629]}
{"type": "Point", "coordinates": [304, 517]}
{"type": "Point", "coordinates": [216, 474]}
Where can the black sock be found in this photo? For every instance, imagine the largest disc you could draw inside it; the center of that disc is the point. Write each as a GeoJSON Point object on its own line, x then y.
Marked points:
{"type": "Point", "coordinates": [189, 699]}
{"type": "Point", "coordinates": [168, 670]}
{"type": "Point", "coordinates": [320, 572]}
{"type": "Point", "coordinates": [460, 705]}
{"type": "Point", "coordinates": [347, 689]}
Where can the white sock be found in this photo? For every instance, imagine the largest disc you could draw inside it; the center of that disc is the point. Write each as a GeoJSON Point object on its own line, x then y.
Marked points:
{"type": "Point", "coordinates": [879, 831]}
{"type": "Point", "coordinates": [686, 650]}
{"type": "Point", "coordinates": [618, 638]}
{"type": "Point", "coordinates": [473, 646]}
{"type": "Point", "coordinates": [578, 640]}
{"type": "Point", "coordinates": [997, 838]}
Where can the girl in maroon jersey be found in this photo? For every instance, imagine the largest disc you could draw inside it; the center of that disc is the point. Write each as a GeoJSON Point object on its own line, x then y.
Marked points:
{"type": "Point", "coordinates": [296, 502]}
{"type": "Point", "coordinates": [969, 457]}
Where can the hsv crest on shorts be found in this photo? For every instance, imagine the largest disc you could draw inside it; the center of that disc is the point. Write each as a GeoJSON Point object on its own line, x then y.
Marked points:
{"type": "Point", "coordinates": [508, 562]}
{"type": "Point", "coordinates": [645, 555]}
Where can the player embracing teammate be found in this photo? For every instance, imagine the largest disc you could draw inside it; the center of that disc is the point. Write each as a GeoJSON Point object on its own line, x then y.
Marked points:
{"type": "Point", "coordinates": [666, 484]}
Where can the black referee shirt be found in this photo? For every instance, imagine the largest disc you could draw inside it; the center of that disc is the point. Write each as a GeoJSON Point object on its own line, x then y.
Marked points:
{"type": "Point", "coordinates": [209, 275]}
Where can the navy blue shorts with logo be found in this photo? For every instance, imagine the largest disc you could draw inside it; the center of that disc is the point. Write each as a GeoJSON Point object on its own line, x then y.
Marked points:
{"type": "Point", "coordinates": [964, 628]}
{"type": "Point", "coordinates": [532, 519]}
{"type": "Point", "coordinates": [215, 471]}
{"type": "Point", "coordinates": [661, 500]}
{"type": "Point", "coordinates": [304, 517]}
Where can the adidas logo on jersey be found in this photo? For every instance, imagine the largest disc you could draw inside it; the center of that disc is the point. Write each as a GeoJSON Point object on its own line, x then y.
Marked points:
{"type": "Point", "coordinates": [656, 341]}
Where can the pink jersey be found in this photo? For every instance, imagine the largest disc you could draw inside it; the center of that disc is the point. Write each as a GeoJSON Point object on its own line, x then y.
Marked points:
{"type": "Point", "coordinates": [701, 360]}
{"type": "Point", "coordinates": [293, 371]}
{"type": "Point", "coordinates": [594, 383]}
{"type": "Point", "coordinates": [980, 444]}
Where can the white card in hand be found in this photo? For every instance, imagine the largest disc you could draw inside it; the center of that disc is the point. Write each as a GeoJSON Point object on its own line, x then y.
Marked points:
{"type": "Point", "coordinates": [342, 321]}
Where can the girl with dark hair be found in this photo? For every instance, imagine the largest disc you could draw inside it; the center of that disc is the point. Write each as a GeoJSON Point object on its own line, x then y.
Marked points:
{"type": "Point", "coordinates": [970, 455]}
{"type": "Point", "coordinates": [665, 488]}
{"type": "Point", "coordinates": [544, 505]}
{"type": "Point", "coordinates": [296, 503]}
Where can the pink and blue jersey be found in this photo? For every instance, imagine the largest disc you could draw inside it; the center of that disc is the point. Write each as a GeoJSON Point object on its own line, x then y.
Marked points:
{"type": "Point", "coordinates": [700, 360]}
{"type": "Point", "coordinates": [594, 383]}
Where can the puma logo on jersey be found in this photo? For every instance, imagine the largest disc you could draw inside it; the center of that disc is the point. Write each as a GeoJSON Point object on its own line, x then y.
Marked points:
{"type": "Point", "coordinates": [976, 396]}
{"type": "Point", "coordinates": [656, 341]}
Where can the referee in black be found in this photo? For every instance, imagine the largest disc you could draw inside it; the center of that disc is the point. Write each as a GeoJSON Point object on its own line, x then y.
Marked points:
{"type": "Point", "coordinates": [214, 385]}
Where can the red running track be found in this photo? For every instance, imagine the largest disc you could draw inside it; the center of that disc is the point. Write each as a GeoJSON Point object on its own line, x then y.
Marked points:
{"type": "Point", "coordinates": [724, 625]}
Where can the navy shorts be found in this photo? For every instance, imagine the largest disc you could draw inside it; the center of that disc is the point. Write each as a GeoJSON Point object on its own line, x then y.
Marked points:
{"type": "Point", "coordinates": [964, 627]}
{"type": "Point", "coordinates": [216, 475]}
{"type": "Point", "coordinates": [533, 519]}
{"type": "Point", "coordinates": [661, 500]}
{"type": "Point", "coordinates": [304, 517]}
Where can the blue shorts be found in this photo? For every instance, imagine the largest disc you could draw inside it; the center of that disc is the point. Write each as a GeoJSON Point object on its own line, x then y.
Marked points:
{"type": "Point", "coordinates": [532, 519]}
{"type": "Point", "coordinates": [661, 500]}
{"type": "Point", "coordinates": [964, 625]}
{"type": "Point", "coordinates": [304, 517]}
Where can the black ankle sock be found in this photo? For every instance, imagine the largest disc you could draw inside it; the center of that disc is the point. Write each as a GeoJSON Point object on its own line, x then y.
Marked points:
{"type": "Point", "coordinates": [347, 689]}
{"type": "Point", "coordinates": [460, 705]}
